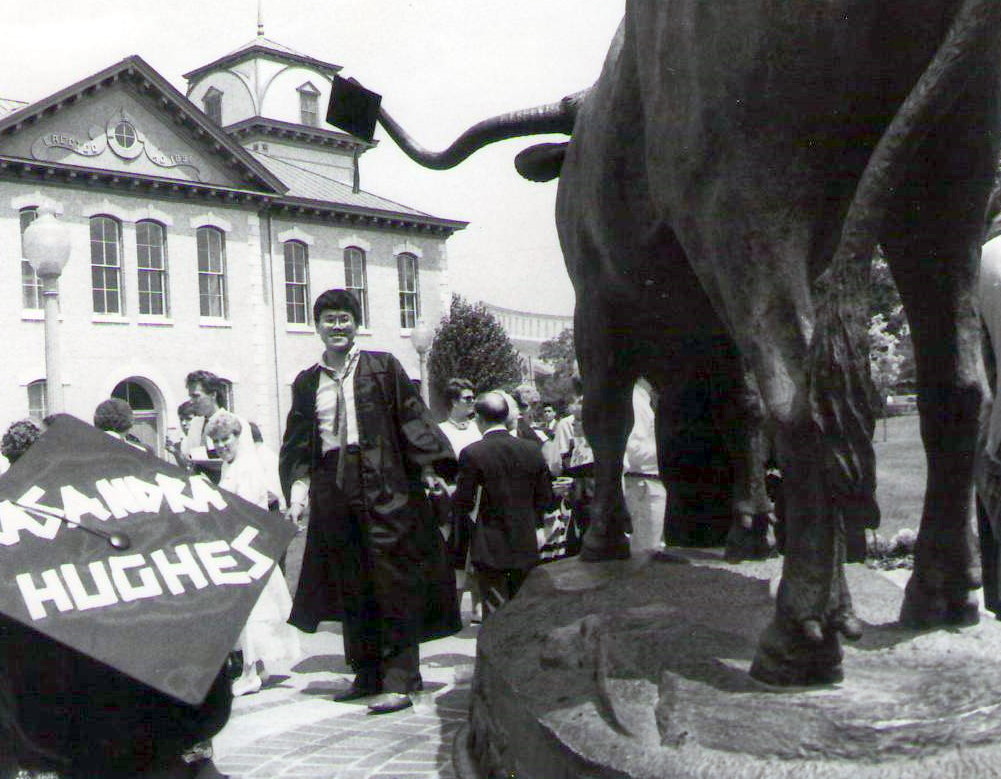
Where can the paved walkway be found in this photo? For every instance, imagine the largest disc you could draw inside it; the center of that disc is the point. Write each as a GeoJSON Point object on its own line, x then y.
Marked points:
{"type": "Point", "coordinates": [293, 727]}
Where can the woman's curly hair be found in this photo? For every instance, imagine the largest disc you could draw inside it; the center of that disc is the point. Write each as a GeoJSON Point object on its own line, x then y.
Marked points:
{"type": "Point", "coordinates": [19, 436]}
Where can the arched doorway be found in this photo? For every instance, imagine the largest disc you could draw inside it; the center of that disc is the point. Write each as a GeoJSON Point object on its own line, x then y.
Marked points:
{"type": "Point", "coordinates": [147, 410]}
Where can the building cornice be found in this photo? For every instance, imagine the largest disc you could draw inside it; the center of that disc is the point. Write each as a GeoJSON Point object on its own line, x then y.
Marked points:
{"type": "Point", "coordinates": [62, 174]}
{"type": "Point", "coordinates": [367, 217]}
{"type": "Point", "coordinates": [298, 133]}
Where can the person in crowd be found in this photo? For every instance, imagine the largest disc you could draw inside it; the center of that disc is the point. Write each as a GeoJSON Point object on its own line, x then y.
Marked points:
{"type": "Point", "coordinates": [18, 437]}
{"type": "Point", "coordinates": [206, 392]}
{"type": "Point", "coordinates": [988, 468]}
{"type": "Point", "coordinates": [269, 466]}
{"type": "Point", "coordinates": [507, 482]}
{"type": "Point", "coordinates": [362, 447]}
{"type": "Point", "coordinates": [460, 427]}
{"type": "Point", "coordinates": [565, 426]}
{"type": "Point", "coordinates": [548, 419]}
{"type": "Point", "coordinates": [114, 416]}
{"type": "Point", "coordinates": [646, 497]}
{"type": "Point", "coordinates": [578, 464]}
{"type": "Point", "coordinates": [185, 416]}
{"type": "Point", "coordinates": [267, 640]}
{"type": "Point", "coordinates": [524, 427]}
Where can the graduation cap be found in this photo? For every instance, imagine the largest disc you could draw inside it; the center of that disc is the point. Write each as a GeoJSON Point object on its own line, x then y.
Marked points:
{"type": "Point", "coordinates": [353, 108]}
{"type": "Point", "coordinates": [130, 560]}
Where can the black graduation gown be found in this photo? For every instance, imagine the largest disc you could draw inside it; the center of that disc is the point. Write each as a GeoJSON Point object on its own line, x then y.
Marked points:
{"type": "Point", "coordinates": [413, 584]}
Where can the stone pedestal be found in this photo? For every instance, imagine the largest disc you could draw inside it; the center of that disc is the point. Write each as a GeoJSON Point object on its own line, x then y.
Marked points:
{"type": "Point", "coordinates": [639, 669]}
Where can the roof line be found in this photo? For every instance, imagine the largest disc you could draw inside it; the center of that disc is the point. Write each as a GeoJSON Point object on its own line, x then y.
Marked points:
{"type": "Point", "coordinates": [258, 48]}
{"type": "Point", "coordinates": [335, 181]}
{"type": "Point", "coordinates": [267, 124]}
{"type": "Point", "coordinates": [126, 66]}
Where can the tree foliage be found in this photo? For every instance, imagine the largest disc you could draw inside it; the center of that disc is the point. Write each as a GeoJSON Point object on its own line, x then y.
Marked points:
{"type": "Point", "coordinates": [560, 353]}
{"type": "Point", "coordinates": [471, 344]}
{"type": "Point", "coordinates": [891, 354]}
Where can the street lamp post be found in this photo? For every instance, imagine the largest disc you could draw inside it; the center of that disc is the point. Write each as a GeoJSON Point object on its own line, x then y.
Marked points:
{"type": "Point", "coordinates": [421, 337]}
{"type": "Point", "coordinates": [46, 244]}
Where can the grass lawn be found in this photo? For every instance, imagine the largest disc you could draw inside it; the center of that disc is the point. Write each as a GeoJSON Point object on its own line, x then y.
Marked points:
{"type": "Point", "coordinates": [900, 474]}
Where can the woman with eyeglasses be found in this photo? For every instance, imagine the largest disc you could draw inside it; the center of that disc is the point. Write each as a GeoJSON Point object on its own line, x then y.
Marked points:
{"type": "Point", "coordinates": [459, 427]}
{"type": "Point", "coordinates": [461, 430]}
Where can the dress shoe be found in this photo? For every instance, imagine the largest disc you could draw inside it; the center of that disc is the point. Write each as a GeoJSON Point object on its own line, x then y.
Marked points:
{"type": "Point", "coordinates": [390, 702]}
{"type": "Point", "coordinates": [355, 692]}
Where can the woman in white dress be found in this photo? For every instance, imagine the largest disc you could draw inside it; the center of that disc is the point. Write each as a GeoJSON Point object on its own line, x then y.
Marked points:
{"type": "Point", "coordinates": [266, 639]}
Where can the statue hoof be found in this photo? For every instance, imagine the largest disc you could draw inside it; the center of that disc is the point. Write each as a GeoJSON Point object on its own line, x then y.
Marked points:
{"type": "Point", "coordinates": [596, 549]}
{"type": "Point", "coordinates": [925, 609]}
{"type": "Point", "coordinates": [850, 627]}
{"type": "Point", "coordinates": [748, 543]}
{"type": "Point", "coordinates": [786, 657]}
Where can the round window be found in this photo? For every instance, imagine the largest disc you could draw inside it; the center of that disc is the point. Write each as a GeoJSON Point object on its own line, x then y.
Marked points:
{"type": "Point", "coordinates": [125, 134]}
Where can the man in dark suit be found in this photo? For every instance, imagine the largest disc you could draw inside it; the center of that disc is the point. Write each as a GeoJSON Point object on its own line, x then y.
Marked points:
{"type": "Point", "coordinates": [505, 481]}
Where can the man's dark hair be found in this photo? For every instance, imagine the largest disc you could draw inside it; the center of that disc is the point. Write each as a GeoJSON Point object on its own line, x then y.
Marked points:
{"type": "Point", "coordinates": [211, 383]}
{"type": "Point", "coordinates": [491, 407]}
{"type": "Point", "coordinates": [113, 414]}
{"type": "Point", "coordinates": [337, 300]}
{"type": "Point", "coordinates": [455, 388]}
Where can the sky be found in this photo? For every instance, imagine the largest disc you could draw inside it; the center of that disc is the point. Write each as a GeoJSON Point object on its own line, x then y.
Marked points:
{"type": "Point", "coordinates": [440, 65]}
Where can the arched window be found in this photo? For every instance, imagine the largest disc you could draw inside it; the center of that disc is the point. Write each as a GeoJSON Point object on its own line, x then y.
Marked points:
{"type": "Point", "coordinates": [410, 304]}
{"type": "Point", "coordinates": [356, 280]}
{"type": "Point", "coordinates": [147, 416]}
{"type": "Point", "coordinates": [106, 265]}
{"type": "Point", "coordinates": [296, 282]}
{"type": "Point", "coordinates": [38, 406]}
{"type": "Point", "coordinates": [212, 105]}
{"type": "Point", "coordinates": [31, 285]}
{"type": "Point", "coordinates": [151, 262]}
{"type": "Point", "coordinates": [212, 272]}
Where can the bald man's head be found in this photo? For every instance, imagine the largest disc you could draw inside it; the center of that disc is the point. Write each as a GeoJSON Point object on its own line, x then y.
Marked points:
{"type": "Point", "coordinates": [491, 408]}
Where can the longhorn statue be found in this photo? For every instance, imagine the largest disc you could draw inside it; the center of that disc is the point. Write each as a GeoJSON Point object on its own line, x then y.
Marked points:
{"type": "Point", "coordinates": [728, 178]}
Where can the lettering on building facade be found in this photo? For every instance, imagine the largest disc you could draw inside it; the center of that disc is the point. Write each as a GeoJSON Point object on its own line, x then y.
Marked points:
{"type": "Point", "coordinates": [122, 136]}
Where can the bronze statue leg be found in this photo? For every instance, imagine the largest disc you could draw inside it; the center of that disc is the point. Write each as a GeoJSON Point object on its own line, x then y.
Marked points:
{"type": "Point", "coordinates": [608, 376]}
{"type": "Point", "coordinates": [933, 243]}
{"type": "Point", "coordinates": [771, 319]}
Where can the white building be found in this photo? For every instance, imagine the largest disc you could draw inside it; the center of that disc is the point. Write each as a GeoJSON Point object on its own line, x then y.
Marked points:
{"type": "Point", "coordinates": [202, 228]}
{"type": "Point", "coordinates": [527, 331]}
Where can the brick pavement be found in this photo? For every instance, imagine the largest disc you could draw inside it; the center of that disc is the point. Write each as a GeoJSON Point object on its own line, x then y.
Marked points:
{"type": "Point", "coordinates": [294, 728]}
